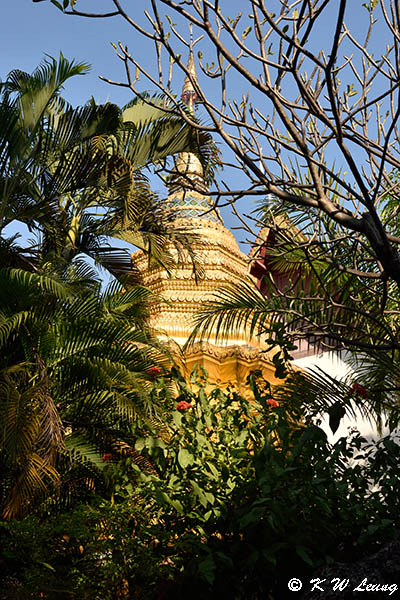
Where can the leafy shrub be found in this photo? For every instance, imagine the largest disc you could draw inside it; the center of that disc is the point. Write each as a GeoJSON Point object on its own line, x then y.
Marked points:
{"type": "Point", "coordinates": [241, 498]}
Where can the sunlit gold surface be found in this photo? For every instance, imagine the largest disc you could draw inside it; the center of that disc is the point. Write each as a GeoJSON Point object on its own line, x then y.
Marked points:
{"type": "Point", "coordinates": [220, 262]}
{"type": "Point", "coordinates": [189, 164]}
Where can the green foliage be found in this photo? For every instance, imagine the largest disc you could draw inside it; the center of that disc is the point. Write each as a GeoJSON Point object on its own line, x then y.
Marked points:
{"type": "Point", "coordinates": [73, 379]}
{"type": "Point", "coordinates": [253, 494]}
{"type": "Point", "coordinates": [76, 176]}
{"type": "Point", "coordinates": [89, 553]}
{"type": "Point", "coordinates": [235, 498]}
{"type": "Point", "coordinates": [74, 362]}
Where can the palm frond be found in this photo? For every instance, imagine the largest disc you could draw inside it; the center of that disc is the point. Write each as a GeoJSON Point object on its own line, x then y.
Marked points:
{"type": "Point", "coordinates": [232, 309]}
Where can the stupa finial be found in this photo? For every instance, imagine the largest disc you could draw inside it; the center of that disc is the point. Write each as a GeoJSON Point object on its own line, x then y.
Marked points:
{"type": "Point", "coordinates": [189, 95]}
{"type": "Point", "coordinates": [187, 163]}
{"type": "Point", "coordinates": [188, 191]}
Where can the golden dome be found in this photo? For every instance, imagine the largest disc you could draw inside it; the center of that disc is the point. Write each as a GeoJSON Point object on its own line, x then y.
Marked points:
{"type": "Point", "coordinates": [189, 165]}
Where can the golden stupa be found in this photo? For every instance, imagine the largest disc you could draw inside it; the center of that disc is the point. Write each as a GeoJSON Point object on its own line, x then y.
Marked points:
{"type": "Point", "coordinates": [228, 361]}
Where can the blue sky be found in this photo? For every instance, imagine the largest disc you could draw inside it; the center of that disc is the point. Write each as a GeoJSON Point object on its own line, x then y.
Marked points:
{"type": "Point", "coordinates": [29, 31]}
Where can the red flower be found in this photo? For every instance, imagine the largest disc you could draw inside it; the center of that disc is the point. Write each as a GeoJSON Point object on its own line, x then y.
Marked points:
{"type": "Point", "coordinates": [356, 388]}
{"type": "Point", "coordinates": [272, 403]}
{"type": "Point", "coordinates": [107, 457]}
{"type": "Point", "coordinates": [183, 405]}
{"type": "Point", "coordinates": [154, 371]}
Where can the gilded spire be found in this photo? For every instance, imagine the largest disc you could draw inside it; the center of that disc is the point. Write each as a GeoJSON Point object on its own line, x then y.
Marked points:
{"type": "Point", "coordinates": [189, 95]}
{"type": "Point", "coordinates": [187, 190]}
{"type": "Point", "coordinates": [187, 163]}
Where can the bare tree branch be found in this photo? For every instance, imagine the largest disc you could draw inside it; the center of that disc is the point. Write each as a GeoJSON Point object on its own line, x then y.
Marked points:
{"type": "Point", "coordinates": [309, 118]}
